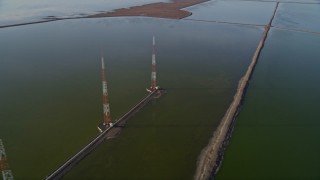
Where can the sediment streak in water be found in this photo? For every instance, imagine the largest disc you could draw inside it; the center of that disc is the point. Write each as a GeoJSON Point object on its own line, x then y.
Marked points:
{"type": "Point", "coordinates": [212, 155]}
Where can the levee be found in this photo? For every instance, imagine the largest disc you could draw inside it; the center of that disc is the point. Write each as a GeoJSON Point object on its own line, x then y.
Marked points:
{"type": "Point", "coordinates": [211, 156]}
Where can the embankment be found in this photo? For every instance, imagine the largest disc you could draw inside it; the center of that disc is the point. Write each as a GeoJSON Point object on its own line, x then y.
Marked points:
{"type": "Point", "coordinates": [211, 156]}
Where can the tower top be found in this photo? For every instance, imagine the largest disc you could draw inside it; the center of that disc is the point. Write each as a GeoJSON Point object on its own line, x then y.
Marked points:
{"type": "Point", "coordinates": [102, 61]}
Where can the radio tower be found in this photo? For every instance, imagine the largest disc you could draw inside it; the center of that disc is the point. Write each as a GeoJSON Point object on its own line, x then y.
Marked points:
{"type": "Point", "coordinates": [4, 167]}
{"type": "Point", "coordinates": [153, 86]}
{"type": "Point", "coordinates": [105, 97]}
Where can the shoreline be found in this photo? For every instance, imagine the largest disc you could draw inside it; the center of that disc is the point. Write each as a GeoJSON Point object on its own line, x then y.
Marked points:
{"type": "Point", "coordinates": [170, 10]}
{"type": "Point", "coordinates": [211, 156]}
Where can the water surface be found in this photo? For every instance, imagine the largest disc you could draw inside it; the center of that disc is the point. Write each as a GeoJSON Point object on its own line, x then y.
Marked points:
{"type": "Point", "coordinates": [298, 16]}
{"type": "Point", "coordinates": [51, 93]}
{"type": "Point", "coordinates": [200, 64]}
{"type": "Point", "coordinates": [276, 134]}
{"type": "Point", "coordinates": [247, 12]}
{"type": "Point", "coordinates": [285, 1]}
{"type": "Point", "coordinates": [17, 11]}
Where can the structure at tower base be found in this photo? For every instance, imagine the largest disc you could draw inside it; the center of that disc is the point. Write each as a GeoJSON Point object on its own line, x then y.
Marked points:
{"type": "Point", "coordinates": [107, 123]}
{"type": "Point", "coordinates": [153, 86]}
{"type": "Point", "coordinates": [4, 166]}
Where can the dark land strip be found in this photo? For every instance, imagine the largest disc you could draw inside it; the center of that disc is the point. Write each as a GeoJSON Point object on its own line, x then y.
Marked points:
{"type": "Point", "coordinates": [171, 10]}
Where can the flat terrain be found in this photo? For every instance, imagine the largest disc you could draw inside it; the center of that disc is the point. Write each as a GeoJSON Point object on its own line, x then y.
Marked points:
{"type": "Point", "coordinates": [170, 10]}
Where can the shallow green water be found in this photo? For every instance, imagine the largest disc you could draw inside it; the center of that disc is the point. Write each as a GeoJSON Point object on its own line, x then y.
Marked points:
{"type": "Point", "coordinates": [51, 93]}
{"type": "Point", "coordinates": [276, 133]}
{"type": "Point", "coordinates": [164, 140]}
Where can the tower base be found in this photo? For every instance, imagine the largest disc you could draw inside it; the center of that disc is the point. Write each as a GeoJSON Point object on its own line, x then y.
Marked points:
{"type": "Point", "coordinates": [151, 89]}
{"type": "Point", "coordinates": [103, 126]}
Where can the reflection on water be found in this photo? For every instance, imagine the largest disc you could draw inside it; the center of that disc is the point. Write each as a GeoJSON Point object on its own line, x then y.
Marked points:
{"type": "Point", "coordinates": [276, 134]}
{"type": "Point", "coordinates": [284, 1]}
{"type": "Point", "coordinates": [298, 16]}
{"type": "Point", "coordinates": [51, 92]}
{"type": "Point", "coordinates": [17, 11]}
{"type": "Point", "coordinates": [233, 11]}
{"type": "Point", "coordinates": [200, 64]}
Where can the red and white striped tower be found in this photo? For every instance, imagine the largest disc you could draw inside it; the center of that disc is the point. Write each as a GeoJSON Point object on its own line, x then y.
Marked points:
{"type": "Point", "coordinates": [153, 86]}
{"type": "Point", "coordinates": [105, 97]}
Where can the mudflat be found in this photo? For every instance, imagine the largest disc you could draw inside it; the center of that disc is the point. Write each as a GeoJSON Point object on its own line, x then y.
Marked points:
{"type": "Point", "coordinates": [171, 10]}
